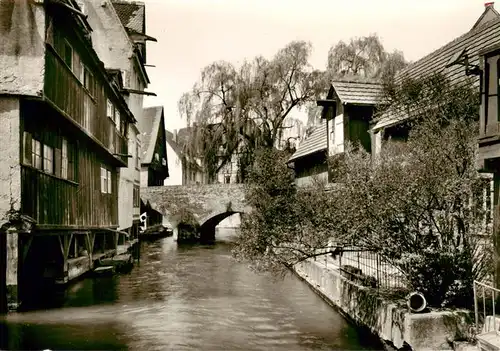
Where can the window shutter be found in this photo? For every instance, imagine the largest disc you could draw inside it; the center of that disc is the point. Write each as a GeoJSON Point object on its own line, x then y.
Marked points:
{"type": "Point", "coordinates": [27, 148]}
{"type": "Point", "coordinates": [57, 162]}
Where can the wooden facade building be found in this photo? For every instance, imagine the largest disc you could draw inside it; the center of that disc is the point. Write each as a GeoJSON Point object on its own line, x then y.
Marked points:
{"type": "Point", "coordinates": [346, 114]}
{"type": "Point", "coordinates": [71, 135]}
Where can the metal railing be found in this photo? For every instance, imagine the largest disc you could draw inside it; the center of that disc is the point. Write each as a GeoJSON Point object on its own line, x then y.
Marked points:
{"type": "Point", "coordinates": [484, 293]}
{"type": "Point", "coordinates": [366, 267]}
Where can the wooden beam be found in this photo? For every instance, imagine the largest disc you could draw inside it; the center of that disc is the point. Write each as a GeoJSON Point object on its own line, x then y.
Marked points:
{"type": "Point", "coordinates": [325, 102]}
{"type": "Point", "coordinates": [139, 92]}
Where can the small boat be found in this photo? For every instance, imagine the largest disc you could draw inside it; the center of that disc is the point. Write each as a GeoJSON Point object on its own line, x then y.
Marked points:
{"type": "Point", "coordinates": [104, 270]}
{"type": "Point", "coordinates": [156, 232]}
{"type": "Point", "coordinates": [122, 262]}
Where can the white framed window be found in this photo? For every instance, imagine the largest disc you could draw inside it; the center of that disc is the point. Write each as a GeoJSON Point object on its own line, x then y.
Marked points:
{"type": "Point", "coordinates": [105, 180]}
{"type": "Point", "coordinates": [124, 78]}
{"type": "Point", "coordinates": [110, 110]}
{"type": "Point", "coordinates": [112, 137]}
{"type": "Point", "coordinates": [109, 181]}
{"type": "Point", "coordinates": [87, 105]}
{"type": "Point", "coordinates": [64, 159]}
{"type": "Point", "coordinates": [82, 72]}
{"type": "Point", "coordinates": [137, 155]}
{"type": "Point", "coordinates": [48, 159]}
{"type": "Point", "coordinates": [36, 154]}
{"type": "Point", "coordinates": [117, 119]}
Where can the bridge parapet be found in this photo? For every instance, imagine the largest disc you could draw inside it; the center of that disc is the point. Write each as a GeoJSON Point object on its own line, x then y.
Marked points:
{"type": "Point", "coordinates": [204, 202]}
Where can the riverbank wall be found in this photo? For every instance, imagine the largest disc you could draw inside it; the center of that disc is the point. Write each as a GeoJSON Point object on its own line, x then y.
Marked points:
{"type": "Point", "coordinates": [396, 326]}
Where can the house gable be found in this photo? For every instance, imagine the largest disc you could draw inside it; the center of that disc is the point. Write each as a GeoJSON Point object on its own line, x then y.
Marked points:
{"type": "Point", "coordinates": [489, 14]}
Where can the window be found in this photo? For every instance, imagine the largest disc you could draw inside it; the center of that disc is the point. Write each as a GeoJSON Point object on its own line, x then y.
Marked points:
{"type": "Point", "coordinates": [64, 159]}
{"type": "Point", "coordinates": [109, 181]}
{"type": "Point", "coordinates": [105, 181]}
{"type": "Point", "coordinates": [157, 157]}
{"type": "Point", "coordinates": [87, 111]}
{"type": "Point", "coordinates": [36, 154]}
{"type": "Point", "coordinates": [118, 119]}
{"type": "Point", "coordinates": [163, 161]}
{"type": "Point", "coordinates": [68, 55]}
{"type": "Point", "coordinates": [136, 197]}
{"type": "Point", "coordinates": [112, 137]}
{"type": "Point", "coordinates": [48, 159]}
{"type": "Point", "coordinates": [81, 72]}
{"type": "Point", "coordinates": [137, 155]}
{"type": "Point", "coordinates": [88, 81]}
{"type": "Point", "coordinates": [27, 154]}
{"type": "Point", "coordinates": [110, 110]}
{"type": "Point", "coordinates": [227, 179]}
{"type": "Point", "coordinates": [124, 78]}
{"type": "Point", "coordinates": [123, 127]}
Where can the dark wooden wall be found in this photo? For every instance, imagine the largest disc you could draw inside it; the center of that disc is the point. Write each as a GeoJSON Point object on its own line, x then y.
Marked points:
{"type": "Point", "coordinates": [357, 125]}
{"type": "Point", "coordinates": [157, 172]}
{"type": "Point", "coordinates": [64, 88]}
{"type": "Point", "coordinates": [310, 165]}
{"type": "Point", "coordinates": [77, 201]}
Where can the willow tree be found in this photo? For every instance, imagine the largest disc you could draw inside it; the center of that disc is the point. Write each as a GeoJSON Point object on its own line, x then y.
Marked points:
{"type": "Point", "coordinates": [237, 110]}
{"type": "Point", "coordinates": [364, 57]}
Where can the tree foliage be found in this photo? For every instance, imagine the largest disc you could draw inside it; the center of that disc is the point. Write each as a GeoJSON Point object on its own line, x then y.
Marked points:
{"type": "Point", "coordinates": [364, 57]}
{"type": "Point", "coordinates": [238, 110]}
{"type": "Point", "coordinates": [417, 203]}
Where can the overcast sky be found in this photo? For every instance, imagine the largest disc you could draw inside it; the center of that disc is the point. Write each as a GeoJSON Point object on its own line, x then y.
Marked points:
{"type": "Point", "coordinates": [193, 33]}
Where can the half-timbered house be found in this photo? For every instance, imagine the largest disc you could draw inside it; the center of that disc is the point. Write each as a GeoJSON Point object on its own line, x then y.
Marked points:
{"type": "Point", "coordinates": [59, 186]}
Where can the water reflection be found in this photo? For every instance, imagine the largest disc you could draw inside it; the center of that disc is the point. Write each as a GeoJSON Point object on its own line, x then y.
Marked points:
{"type": "Point", "coordinates": [184, 298]}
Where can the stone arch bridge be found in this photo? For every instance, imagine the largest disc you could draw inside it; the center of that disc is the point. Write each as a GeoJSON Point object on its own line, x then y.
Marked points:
{"type": "Point", "coordinates": [206, 205]}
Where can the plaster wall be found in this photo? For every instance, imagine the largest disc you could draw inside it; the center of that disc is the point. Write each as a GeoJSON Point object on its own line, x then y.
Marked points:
{"type": "Point", "coordinates": [10, 171]}
{"type": "Point", "coordinates": [174, 168]}
{"type": "Point", "coordinates": [22, 48]}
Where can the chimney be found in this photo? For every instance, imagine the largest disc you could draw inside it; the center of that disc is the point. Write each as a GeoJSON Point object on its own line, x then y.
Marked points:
{"type": "Point", "coordinates": [489, 4]}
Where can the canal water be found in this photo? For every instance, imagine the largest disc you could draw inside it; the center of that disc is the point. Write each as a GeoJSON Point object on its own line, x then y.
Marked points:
{"type": "Point", "coordinates": [183, 298]}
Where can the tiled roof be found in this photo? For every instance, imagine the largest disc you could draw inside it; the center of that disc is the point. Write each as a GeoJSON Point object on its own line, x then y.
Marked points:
{"type": "Point", "coordinates": [358, 93]}
{"type": "Point", "coordinates": [315, 142]}
{"type": "Point", "coordinates": [132, 14]}
{"type": "Point", "coordinates": [149, 126]}
{"type": "Point", "coordinates": [480, 37]}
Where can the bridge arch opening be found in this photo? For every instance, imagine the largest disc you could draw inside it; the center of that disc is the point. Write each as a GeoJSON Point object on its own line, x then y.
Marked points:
{"type": "Point", "coordinates": [207, 228]}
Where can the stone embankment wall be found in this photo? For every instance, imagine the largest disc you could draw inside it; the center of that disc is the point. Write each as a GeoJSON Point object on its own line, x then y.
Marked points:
{"type": "Point", "coordinates": [393, 324]}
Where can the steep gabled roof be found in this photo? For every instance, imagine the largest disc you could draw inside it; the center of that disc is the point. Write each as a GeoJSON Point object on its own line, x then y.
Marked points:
{"type": "Point", "coordinates": [132, 14]}
{"type": "Point", "coordinates": [358, 93]}
{"type": "Point", "coordinates": [484, 35]}
{"type": "Point", "coordinates": [315, 142]}
{"type": "Point", "coordinates": [149, 127]}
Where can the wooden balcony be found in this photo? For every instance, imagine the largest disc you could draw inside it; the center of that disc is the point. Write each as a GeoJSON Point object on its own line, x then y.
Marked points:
{"type": "Point", "coordinates": [65, 91]}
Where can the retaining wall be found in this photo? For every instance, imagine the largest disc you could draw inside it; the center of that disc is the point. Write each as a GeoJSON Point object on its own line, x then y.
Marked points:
{"type": "Point", "coordinates": [425, 331]}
